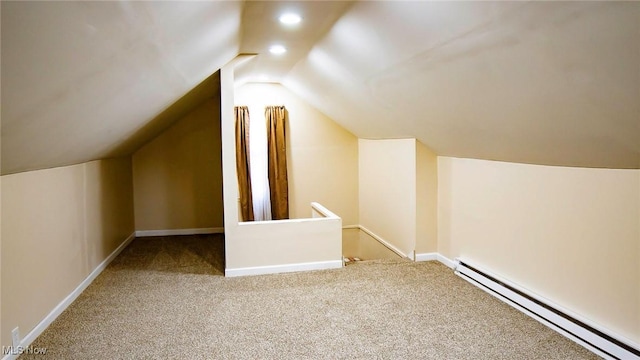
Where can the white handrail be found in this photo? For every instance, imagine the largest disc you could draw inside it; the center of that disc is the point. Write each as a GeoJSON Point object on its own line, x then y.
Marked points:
{"type": "Point", "coordinates": [322, 211]}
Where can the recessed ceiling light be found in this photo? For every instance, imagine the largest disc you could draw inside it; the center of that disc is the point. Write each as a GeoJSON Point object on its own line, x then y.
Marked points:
{"type": "Point", "coordinates": [290, 18]}
{"type": "Point", "coordinates": [277, 49]}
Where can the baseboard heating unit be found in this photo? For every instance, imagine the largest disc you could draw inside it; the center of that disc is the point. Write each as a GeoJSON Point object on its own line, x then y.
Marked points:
{"type": "Point", "coordinates": [587, 334]}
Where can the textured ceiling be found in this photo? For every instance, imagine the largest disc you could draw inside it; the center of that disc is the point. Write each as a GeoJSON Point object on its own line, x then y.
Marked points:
{"type": "Point", "coordinates": [537, 82]}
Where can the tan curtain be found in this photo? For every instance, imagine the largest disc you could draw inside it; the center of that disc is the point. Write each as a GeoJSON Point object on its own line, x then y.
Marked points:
{"type": "Point", "coordinates": [277, 162]}
{"type": "Point", "coordinates": [242, 162]}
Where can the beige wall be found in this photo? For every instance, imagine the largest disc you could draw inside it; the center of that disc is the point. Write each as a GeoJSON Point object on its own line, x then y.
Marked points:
{"type": "Point", "coordinates": [58, 226]}
{"type": "Point", "coordinates": [108, 207]}
{"type": "Point", "coordinates": [398, 193]}
{"type": "Point", "coordinates": [387, 188]}
{"type": "Point", "coordinates": [357, 243]}
{"type": "Point", "coordinates": [426, 199]}
{"type": "Point", "coordinates": [322, 157]}
{"type": "Point", "coordinates": [571, 235]}
{"type": "Point", "coordinates": [178, 176]}
{"type": "Point", "coordinates": [258, 244]}
{"type": "Point", "coordinates": [284, 242]}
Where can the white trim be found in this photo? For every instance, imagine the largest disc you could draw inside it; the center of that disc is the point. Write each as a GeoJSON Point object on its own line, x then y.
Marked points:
{"type": "Point", "coordinates": [447, 262]}
{"type": "Point", "coordinates": [581, 335]}
{"type": "Point", "coordinates": [323, 211]}
{"type": "Point", "coordinates": [171, 232]}
{"type": "Point", "coordinates": [44, 323]}
{"type": "Point", "coordinates": [275, 269]}
{"type": "Point", "coordinates": [434, 256]}
{"type": "Point", "coordinates": [383, 242]}
{"type": "Point", "coordinates": [427, 257]}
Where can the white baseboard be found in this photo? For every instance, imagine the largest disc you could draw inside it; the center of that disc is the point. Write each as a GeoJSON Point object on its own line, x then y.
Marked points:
{"type": "Point", "coordinates": [276, 269]}
{"type": "Point", "coordinates": [172, 232]}
{"type": "Point", "coordinates": [433, 256]}
{"type": "Point", "coordinates": [597, 339]}
{"type": "Point", "coordinates": [42, 326]}
{"type": "Point", "coordinates": [446, 261]}
{"type": "Point", "coordinates": [427, 257]}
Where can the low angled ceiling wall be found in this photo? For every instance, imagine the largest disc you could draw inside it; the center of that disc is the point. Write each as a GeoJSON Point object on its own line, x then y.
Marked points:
{"type": "Point", "coordinates": [553, 83]}
{"type": "Point", "coordinates": [83, 80]}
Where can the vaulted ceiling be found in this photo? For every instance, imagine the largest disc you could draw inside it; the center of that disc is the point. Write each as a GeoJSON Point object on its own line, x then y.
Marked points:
{"type": "Point", "coordinates": [553, 83]}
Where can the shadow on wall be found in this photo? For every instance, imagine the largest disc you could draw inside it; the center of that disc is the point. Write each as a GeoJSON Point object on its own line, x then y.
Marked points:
{"type": "Point", "coordinates": [106, 208]}
{"type": "Point", "coordinates": [177, 175]}
{"type": "Point", "coordinates": [358, 244]}
{"type": "Point", "coordinates": [207, 89]}
{"type": "Point", "coordinates": [110, 218]}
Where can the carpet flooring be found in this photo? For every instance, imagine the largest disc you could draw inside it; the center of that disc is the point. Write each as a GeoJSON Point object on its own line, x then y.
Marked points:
{"type": "Point", "coordinates": [165, 297]}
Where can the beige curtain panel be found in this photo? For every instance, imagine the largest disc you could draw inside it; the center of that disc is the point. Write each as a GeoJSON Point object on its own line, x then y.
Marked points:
{"type": "Point", "coordinates": [277, 162]}
{"type": "Point", "coordinates": [242, 162]}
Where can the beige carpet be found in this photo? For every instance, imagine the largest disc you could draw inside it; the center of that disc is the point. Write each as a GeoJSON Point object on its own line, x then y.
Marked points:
{"type": "Point", "coordinates": [165, 298]}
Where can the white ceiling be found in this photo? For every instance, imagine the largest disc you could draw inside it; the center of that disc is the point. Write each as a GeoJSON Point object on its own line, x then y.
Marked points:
{"type": "Point", "coordinates": [537, 82]}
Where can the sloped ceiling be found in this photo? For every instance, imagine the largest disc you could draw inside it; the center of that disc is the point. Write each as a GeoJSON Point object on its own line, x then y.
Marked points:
{"type": "Point", "coordinates": [261, 29]}
{"type": "Point", "coordinates": [83, 80]}
{"type": "Point", "coordinates": [537, 82]}
{"type": "Point", "coordinates": [553, 83]}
